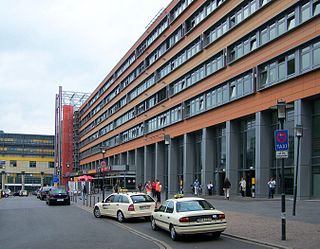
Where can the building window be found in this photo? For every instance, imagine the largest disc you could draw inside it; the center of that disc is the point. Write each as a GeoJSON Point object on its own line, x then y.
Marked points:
{"type": "Point", "coordinates": [32, 164]}
{"type": "Point", "coordinates": [50, 165]}
{"type": "Point", "coordinates": [291, 64]}
{"type": "Point", "coordinates": [13, 163]}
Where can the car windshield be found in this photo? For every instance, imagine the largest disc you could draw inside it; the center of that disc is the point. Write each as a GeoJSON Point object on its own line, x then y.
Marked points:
{"type": "Point", "coordinates": [193, 205]}
{"type": "Point", "coordinates": [141, 198]}
{"type": "Point", "coordinates": [58, 191]}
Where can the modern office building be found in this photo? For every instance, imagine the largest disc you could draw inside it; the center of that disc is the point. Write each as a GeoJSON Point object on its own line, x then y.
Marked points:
{"type": "Point", "coordinates": [26, 161]}
{"type": "Point", "coordinates": [196, 98]}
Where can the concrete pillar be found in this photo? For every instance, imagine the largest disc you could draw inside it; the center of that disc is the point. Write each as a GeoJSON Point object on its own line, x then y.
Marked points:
{"type": "Point", "coordinates": [42, 178]}
{"type": "Point", "coordinates": [159, 162]}
{"type": "Point", "coordinates": [232, 154]}
{"type": "Point", "coordinates": [22, 180]}
{"type": "Point", "coordinates": [149, 162]}
{"type": "Point", "coordinates": [303, 115]}
{"type": "Point", "coordinates": [173, 181]}
{"type": "Point", "coordinates": [264, 140]}
{"type": "Point", "coordinates": [207, 158]}
{"type": "Point", "coordinates": [139, 161]}
{"type": "Point", "coordinates": [188, 162]}
{"type": "Point", "coordinates": [3, 178]}
{"type": "Point", "coordinates": [131, 160]}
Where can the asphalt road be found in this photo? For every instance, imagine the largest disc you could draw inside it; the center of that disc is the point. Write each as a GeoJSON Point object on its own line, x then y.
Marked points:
{"type": "Point", "coordinates": [26, 222]}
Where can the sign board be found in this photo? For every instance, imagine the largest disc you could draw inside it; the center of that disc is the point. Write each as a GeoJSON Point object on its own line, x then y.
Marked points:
{"type": "Point", "coordinates": [281, 143]}
{"type": "Point", "coordinates": [55, 179]}
{"type": "Point", "coordinates": [121, 167]}
{"type": "Point", "coordinates": [103, 164]}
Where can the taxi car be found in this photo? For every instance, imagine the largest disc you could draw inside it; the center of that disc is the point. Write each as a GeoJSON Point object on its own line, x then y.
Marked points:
{"type": "Point", "coordinates": [125, 205]}
{"type": "Point", "coordinates": [188, 215]}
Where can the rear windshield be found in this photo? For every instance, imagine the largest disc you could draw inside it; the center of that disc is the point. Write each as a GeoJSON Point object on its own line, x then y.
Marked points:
{"type": "Point", "coordinates": [141, 198]}
{"type": "Point", "coordinates": [58, 191]}
{"type": "Point", "coordinates": [194, 205]}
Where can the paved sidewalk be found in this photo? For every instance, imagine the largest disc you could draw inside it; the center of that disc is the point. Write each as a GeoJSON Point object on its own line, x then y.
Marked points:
{"type": "Point", "coordinates": [259, 220]}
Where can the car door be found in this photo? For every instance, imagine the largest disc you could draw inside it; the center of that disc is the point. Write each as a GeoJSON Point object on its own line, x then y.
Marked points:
{"type": "Point", "coordinates": [114, 205]}
{"type": "Point", "coordinates": [160, 217]}
{"type": "Point", "coordinates": [167, 216]}
{"type": "Point", "coordinates": [106, 206]}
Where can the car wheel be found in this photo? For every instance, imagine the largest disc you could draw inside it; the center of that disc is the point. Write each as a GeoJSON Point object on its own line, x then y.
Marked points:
{"type": "Point", "coordinates": [96, 212]}
{"type": "Point", "coordinates": [153, 224]}
{"type": "Point", "coordinates": [173, 233]}
{"type": "Point", "coordinates": [120, 216]}
{"type": "Point", "coordinates": [216, 235]}
{"type": "Point", "coordinates": [147, 218]}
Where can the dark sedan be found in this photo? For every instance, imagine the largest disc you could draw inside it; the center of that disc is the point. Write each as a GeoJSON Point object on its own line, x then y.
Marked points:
{"type": "Point", "coordinates": [43, 192]}
{"type": "Point", "coordinates": [58, 196]}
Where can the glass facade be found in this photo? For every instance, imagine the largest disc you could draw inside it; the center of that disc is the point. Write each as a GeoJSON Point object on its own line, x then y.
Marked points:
{"type": "Point", "coordinates": [316, 149]}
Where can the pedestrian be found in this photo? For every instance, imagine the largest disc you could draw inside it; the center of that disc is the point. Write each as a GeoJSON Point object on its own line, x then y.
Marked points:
{"type": "Point", "coordinates": [226, 188]}
{"type": "Point", "coordinates": [243, 185]}
{"type": "Point", "coordinates": [158, 191]}
{"type": "Point", "coordinates": [140, 187]}
{"type": "Point", "coordinates": [196, 185]}
{"type": "Point", "coordinates": [210, 188]}
{"type": "Point", "coordinates": [153, 185]}
{"type": "Point", "coordinates": [84, 191]}
{"type": "Point", "coordinates": [148, 188]}
{"type": "Point", "coordinates": [271, 187]}
{"type": "Point", "coordinates": [116, 188]}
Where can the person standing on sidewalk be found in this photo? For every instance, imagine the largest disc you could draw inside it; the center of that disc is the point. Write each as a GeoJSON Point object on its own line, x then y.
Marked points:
{"type": "Point", "coordinates": [158, 191]}
{"type": "Point", "coordinates": [196, 185]}
{"type": "Point", "coordinates": [271, 187]}
{"type": "Point", "coordinates": [243, 185]}
{"type": "Point", "coordinates": [148, 188]}
{"type": "Point", "coordinates": [226, 188]}
{"type": "Point", "coordinates": [210, 187]}
{"type": "Point", "coordinates": [84, 192]}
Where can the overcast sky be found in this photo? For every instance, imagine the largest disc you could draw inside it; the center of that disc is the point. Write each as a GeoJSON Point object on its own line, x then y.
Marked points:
{"type": "Point", "coordinates": [72, 43]}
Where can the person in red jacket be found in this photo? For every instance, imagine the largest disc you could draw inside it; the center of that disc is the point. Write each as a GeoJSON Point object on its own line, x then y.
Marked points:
{"type": "Point", "coordinates": [153, 185]}
{"type": "Point", "coordinates": [158, 190]}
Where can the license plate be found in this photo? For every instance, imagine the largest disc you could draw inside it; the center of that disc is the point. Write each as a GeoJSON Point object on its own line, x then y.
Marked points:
{"type": "Point", "coordinates": [60, 199]}
{"type": "Point", "coordinates": [144, 207]}
{"type": "Point", "coordinates": [204, 219]}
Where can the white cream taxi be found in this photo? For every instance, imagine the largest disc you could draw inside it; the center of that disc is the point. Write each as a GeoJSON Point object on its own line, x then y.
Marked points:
{"type": "Point", "coordinates": [189, 215]}
{"type": "Point", "coordinates": [125, 205]}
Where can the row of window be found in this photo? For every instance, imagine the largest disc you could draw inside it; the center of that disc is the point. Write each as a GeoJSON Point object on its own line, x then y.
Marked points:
{"type": "Point", "coordinates": [181, 6]}
{"type": "Point", "coordinates": [308, 55]}
{"type": "Point", "coordinates": [27, 151]}
{"type": "Point", "coordinates": [302, 11]}
{"type": "Point", "coordinates": [32, 164]}
{"type": "Point", "coordinates": [290, 64]}
{"type": "Point", "coordinates": [22, 141]}
{"type": "Point", "coordinates": [193, 48]}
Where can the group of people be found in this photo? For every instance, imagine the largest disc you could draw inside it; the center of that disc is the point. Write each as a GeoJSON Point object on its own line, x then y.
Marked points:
{"type": "Point", "coordinates": [152, 188]}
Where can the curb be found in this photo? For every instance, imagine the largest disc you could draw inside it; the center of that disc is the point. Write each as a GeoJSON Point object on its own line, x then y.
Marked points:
{"type": "Point", "coordinates": [256, 241]}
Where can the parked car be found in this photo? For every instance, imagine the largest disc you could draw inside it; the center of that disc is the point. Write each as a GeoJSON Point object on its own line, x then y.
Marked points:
{"type": "Point", "coordinates": [125, 205]}
{"type": "Point", "coordinates": [43, 192]}
{"type": "Point", "coordinates": [57, 196]}
{"type": "Point", "coordinates": [23, 193]}
{"type": "Point", "coordinates": [188, 215]}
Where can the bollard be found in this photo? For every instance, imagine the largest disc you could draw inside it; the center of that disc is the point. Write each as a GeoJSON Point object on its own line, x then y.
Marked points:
{"type": "Point", "coordinates": [98, 199]}
{"type": "Point", "coordinates": [86, 200]}
{"type": "Point", "coordinates": [94, 200]}
{"type": "Point", "coordinates": [90, 205]}
{"type": "Point", "coordinates": [83, 200]}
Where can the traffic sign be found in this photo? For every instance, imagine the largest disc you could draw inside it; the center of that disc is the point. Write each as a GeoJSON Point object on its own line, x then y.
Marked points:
{"type": "Point", "coordinates": [103, 164]}
{"type": "Point", "coordinates": [281, 143]}
{"type": "Point", "coordinates": [55, 178]}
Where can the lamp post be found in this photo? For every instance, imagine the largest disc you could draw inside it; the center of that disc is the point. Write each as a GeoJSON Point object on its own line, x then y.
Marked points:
{"type": "Point", "coordinates": [281, 107]}
{"type": "Point", "coordinates": [68, 178]}
{"type": "Point", "coordinates": [299, 133]}
{"type": "Point", "coordinates": [166, 170]}
{"type": "Point", "coordinates": [102, 165]}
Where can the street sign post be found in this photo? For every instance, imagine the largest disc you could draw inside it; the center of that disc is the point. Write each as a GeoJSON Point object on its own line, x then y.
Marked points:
{"type": "Point", "coordinates": [281, 143]}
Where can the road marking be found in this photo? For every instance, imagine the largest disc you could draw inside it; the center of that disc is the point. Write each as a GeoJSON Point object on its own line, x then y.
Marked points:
{"type": "Point", "coordinates": [161, 244]}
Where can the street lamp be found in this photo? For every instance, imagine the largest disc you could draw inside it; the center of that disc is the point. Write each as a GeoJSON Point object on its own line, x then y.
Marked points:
{"type": "Point", "coordinates": [166, 174]}
{"type": "Point", "coordinates": [281, 107]}
{"type": "Point", "coordinates": [299, 133]}
{"type": "Point", "coordinates": [68, 178]}
{"type": "Point", "coordinates": [102, 165]}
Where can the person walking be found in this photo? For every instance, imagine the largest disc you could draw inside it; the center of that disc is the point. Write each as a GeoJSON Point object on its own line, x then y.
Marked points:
{"type": "Point", "coordinates": [196, 185]}
{"type": "Point", "coordinates": [158, 191]}
{"type": "Point", "coordinates": [271, 187]}
{"type": "Point", "coordinates": [210, 188]}
{"type": "Point", "coordinates": [149, 188]}
{"type": "Point", "coordinates": [153, 186]}
{"type": "Point", "coordinates": [84, 191]}
{"type": "Point", "coordinates": [243, 185]}
{"type": "Point", "coordinates": [226, 188]}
